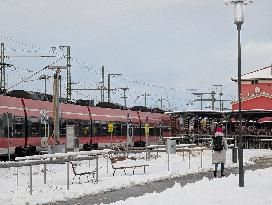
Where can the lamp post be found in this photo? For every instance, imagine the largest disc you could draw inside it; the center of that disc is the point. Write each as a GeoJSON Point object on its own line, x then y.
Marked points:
{"type": "Point", "coordinates": [145, 95]}
{"type": "Point", "coordinates": [160, 100]}
{"type": "Point", "coordinates": [109, 88]}
{"type": "Point", "coordinates": [239, 20]}
{"type": "Point", "coordinates": [45, 78]}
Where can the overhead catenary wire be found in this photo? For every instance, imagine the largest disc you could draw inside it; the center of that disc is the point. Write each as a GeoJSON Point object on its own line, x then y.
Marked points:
{"type": "Point", "coordinates": [97, 70]}
{"type": "Point", "coordinates": [21, 50]}
{"type": "Point", "coordinates": [84, 65]}
{"type": "Point", "coordinates": [92, 69]}
{"type": "Point", "coordinates": [25, 56]}
{"type": "Point", "coordinates": [20, 42]}
{"type": "Point", "coordinates": [34, 74]}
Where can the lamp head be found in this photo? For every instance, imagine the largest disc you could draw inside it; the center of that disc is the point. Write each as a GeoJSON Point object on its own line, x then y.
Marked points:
{"type": "Point", "coordinates": [42, 77]}
{"type": "Point", "coordinates": [239, 13]}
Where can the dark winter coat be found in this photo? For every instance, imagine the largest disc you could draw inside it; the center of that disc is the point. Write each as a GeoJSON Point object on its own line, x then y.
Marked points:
{"type": "Point", "coordinates": [220, 156]}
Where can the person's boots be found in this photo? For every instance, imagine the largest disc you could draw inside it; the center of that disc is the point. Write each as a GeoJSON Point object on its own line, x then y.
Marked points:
{"type": "Point", "coordinates": [214, 173]}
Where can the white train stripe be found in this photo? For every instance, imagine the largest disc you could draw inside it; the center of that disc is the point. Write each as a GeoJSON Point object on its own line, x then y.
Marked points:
{"type": "Point", "coordinates": [73, 113]}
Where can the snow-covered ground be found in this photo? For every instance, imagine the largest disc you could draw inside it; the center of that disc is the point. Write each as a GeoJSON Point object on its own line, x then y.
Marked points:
{"type": "Point", "coordinates": [55, 189]}
{"type": "Point", "coordinates": [223, 191]}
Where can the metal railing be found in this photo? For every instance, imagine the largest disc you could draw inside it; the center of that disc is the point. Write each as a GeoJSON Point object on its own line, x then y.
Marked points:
{"type": "Point", "coordinates": [31, 161]}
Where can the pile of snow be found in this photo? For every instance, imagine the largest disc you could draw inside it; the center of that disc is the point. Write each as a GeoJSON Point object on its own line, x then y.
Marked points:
{"type": "Point", "coordinates": [56, 187]}
{"type": "Point", "coordinates": [223, 191]}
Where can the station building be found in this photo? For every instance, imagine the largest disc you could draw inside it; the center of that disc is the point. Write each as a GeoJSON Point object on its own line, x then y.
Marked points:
{"type": "Point", "coordinates": [256, 90]}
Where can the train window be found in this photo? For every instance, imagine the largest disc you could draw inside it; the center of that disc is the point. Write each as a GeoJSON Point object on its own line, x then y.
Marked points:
{"type": "Point", "coordinates": [97, 129]}
{"type": "Point", "coordinates": [1, 126]}
{"type": "Point", "coordinates": [139, 132]}
{"type": "Point", "coordinates": [124, 130]}
{"type": "Point", "coordinates": [49, 127]}
{"type": "Point", "coordinates": [154, 131]}
{"type": "Point", "coordinates": [8, 131]}
{"type": "Point", "coordinates": [165, 129]}
{"type": "Point", "coordinates": [94, 130]}
{"type": "Point", "coordinates": [17, 127]}
{"type": "Point", "coordinates": [1, 121]}
{"type": "Point", "coordinates": [17, 130]}
{"type": "Point", "coordinates": [42, 133]}
{"type": "Point", "coordinates": [151, 131]}
{"type": "Point", "coordinates": [35, 128]}
{"type": "Point", "coordinates": [104, 129]}
{"type": "Point", "coordinates": [117, 129]}
{"type": "Point", "coordinates": [158, 131]}
{"type": "Point", "coordinates": [91, 130]}
{"type": "Point", "coordinates": [136, 130]}
{"type": "Point", "coordinates": [70, 122]}
{"type": "Point", "coordinates": [33, 119]}
{"type": "Point", "coordinates": [85, 128]}
{"type": "Point", "coordinates": [62, 130]}
{"type": "Point", "coordinates": [85, 131]}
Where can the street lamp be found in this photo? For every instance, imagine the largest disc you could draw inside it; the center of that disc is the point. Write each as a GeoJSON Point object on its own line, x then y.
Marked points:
{"type": "Point", "coordinates": [239, 20]}
{"type": "Point", "coordinates": [45, 78]}
{"type": "Point", "coordinates": [145, 95]}
{"type": "Point", "coordinates": [160, 100]}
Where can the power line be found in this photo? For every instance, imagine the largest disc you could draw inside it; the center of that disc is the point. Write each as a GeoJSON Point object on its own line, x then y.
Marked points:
{"type": "Point", "coordinates": [37, 72]}
{"type": "Point", "coordinates": [20, 42]}
{"type": "Point", "coordinates": [92, 68]}
{"type": "Point", "coordinates": [25, 56]}
{"type": "Point", "coordinates": [21, 50]}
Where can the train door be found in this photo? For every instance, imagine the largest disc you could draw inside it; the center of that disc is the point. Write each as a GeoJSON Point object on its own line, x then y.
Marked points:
{"type": "Point", "coordinates": [44, 129]}
{"type": "Point", "coordinates": [7, 125]}
{"type": "Point", "coordinates": [158, 133]}
{"type": "Point", "coordinates": [1, 126]}
{"type": "Point", "coordinates": [130, 133]}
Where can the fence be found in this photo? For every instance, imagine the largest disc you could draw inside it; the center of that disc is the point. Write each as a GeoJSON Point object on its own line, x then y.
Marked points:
{"type": "Point", "coordinates": [53, 159]}
{"type": "Point", "coordinates": [46, 159]}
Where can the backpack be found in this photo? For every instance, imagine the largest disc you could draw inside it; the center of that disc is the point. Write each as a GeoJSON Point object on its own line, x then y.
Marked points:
{"type": "Point", "coordinates": [218, 143]}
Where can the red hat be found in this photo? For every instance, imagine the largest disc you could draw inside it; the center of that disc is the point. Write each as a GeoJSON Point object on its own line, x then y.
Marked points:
{"type": "Point", "coordinates": [219, 129]}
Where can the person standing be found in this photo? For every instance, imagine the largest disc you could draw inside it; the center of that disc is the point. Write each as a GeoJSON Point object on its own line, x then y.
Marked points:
{"type": "Point", "coordinates": [220, 146]}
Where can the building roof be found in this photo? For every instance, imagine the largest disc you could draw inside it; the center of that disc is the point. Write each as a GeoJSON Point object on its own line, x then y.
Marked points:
{"type": "Point", "coordinates": [259, 74]}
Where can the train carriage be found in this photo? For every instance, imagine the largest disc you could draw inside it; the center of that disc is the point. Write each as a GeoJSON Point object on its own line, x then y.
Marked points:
{"type": "Point", "coordinates": [26, 128]}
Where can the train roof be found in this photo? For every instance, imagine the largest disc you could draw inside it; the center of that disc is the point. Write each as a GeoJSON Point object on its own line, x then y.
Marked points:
{"type": "Point", "coordinates": [34, 108]}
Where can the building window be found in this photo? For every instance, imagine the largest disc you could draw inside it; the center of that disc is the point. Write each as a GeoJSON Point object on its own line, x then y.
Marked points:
{"type": "Point", "coordinates": [254, 81]}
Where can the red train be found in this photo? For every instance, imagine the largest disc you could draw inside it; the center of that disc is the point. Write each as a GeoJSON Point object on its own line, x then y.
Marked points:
{"type": "Point", "coordinates": [26, 131]}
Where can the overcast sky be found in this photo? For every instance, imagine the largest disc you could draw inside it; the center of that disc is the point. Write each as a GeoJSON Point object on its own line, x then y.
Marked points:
{"type": "Point", "coordinates": [175, 44]}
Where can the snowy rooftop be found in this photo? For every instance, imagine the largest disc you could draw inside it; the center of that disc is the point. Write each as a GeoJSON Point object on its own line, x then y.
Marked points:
{"type": "Point", "coordinates": [263, 73]}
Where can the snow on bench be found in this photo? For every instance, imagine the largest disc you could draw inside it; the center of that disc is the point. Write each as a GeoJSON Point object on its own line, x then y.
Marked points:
{"type": "Point", "coordinates": [124, 163]}
{"type": "Point", "coordinates": [82, 171]}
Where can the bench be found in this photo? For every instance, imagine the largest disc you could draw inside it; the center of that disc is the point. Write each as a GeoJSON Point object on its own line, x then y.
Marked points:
{"type": "Point", "coordinates": [80, 173]}
{"type": "Point", "coordinates": [125, 167]}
